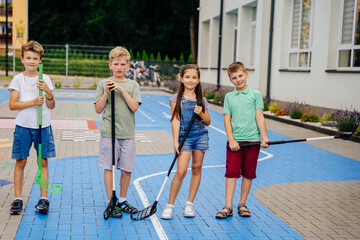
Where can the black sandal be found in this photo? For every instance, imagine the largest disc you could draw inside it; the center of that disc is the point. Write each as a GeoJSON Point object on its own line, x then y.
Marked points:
{"type": "Point", "coordinates": [241, 212]}
{"type": "Point", "coordinates": [224, 214]}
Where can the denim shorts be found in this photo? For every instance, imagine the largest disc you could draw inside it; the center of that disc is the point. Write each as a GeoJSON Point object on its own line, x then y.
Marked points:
{"type": "Point", "coordinates": [196, 141]}
{"type": "Point", "coordinates": [25, 137]}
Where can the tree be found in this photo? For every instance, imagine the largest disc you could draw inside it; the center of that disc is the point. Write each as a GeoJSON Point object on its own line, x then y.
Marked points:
{"type": "Point", "coordinates": [169, 27]}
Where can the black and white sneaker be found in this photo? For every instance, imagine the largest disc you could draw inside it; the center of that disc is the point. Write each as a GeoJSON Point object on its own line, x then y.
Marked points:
{"type": "Point", "coordinates": [43, 206]}
{"type": "Point", "coordinates": [16, 207]}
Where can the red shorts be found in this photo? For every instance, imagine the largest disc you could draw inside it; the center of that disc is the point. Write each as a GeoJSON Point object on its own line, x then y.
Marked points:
{"type": "Point", "coordinates": [242, 162]}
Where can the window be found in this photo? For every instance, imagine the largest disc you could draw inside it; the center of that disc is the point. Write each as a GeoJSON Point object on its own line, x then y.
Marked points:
{"type": "Point", "coordinates": [349, 49]}
{"type": "Point", "coordinates": [253, 36]}
{"type": "Point", "coordinates": [3, 8]}
{"type": "Point", "coordinates": [3, 33]}
{"type": "Point", "coordinates": [301, 34]}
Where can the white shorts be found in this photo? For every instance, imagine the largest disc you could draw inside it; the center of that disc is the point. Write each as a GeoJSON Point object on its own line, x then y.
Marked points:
{"type": "Point", "coordinates": [125, 150]}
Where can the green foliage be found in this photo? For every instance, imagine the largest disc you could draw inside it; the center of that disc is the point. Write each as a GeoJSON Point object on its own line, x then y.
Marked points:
{"type": "Point", "coordinates": [94, 85]}
{"type": "Point", "coordinates": [274, 107]}
{"type": "Point", "coordinates": [131, 54]}
{"type": "Point", "coordinates": [219, 97]}
{"type": "Point", "coordinates": [309, 117]}
{"type": "Point", "coordinates": [92, 57]}
{"type": "Point", "coordinates": [158, 57]}
{"type": "Point", "coordinates": [152, 57]}
{"type": "Point", "coordinates": [266, 104]}
{"type": "Point", "coordinates": [326, 117]}
{"type": "Point", "coordinates": [144, 56]}
{"type": "Point", "coordinates": [58, 85]}
{"type": "Point", "coordinates": [151, 25]}
{"type": "Point", "coordinates": [138, 57]}
{"type": "Point", "coordinates": [346, 125]}
{"type": "Point", "coordinates": [190, 59]}
{"type": "Point", "coordinates": [174, 59]}
{"type": "Point", "coordinates": [210, 95]}
{"type": "Point", "coordinates": [167, 58]}
{"type": "Point", "coordinates": [295, 113]}
{"type": "Point", "coordinates": [77, 85]}
{"type": "Point", "coordinates": [181, 59]}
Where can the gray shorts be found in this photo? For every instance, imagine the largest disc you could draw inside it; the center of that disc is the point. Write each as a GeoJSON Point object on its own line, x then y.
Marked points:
{"type": "Point", "coordinates": [124, 154]}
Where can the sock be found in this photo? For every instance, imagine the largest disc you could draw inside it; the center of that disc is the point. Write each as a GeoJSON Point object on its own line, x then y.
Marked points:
{"type": "Point", "coordinates": [121, 200]}
{"type": "Point", "coordinates": [190, 203]}
{"type": "Point", "coordinates": [44, 198]}
{"type": "Point", "coordinates": [18, 198]}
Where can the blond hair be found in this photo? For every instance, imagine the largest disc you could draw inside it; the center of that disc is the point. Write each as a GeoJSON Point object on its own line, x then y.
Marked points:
{"type": "Point", "coordinates": [235, 66]}
{"type": "Point", "coordinates": [32, 46]}
{"type": "Point", "coordinates": [119, 52]}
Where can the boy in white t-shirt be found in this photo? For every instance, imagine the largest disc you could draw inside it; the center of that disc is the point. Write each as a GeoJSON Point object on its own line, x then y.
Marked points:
{"type": "Point", "coordinates": [24, 97]}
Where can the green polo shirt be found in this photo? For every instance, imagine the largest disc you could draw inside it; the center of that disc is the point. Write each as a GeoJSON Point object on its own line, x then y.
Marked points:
{"type": "Point", "coordinates": [124, 117]}
{"type": "Point", "coordinates": [242, 107]}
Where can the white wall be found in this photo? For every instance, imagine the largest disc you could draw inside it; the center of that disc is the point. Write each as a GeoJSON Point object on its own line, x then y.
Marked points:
{"type": "Point", "coordinates": [317, 87]}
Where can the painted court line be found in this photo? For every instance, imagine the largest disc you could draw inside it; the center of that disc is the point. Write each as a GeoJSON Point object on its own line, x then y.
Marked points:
{"type": "Point", "coordinates": [155, 221]}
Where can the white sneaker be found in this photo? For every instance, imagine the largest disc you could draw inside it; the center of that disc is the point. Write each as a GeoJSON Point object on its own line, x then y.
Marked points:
{"type": "Point", "coordinates": [168, 212]}
{"type": "Point", "coordinates": [189, 210]}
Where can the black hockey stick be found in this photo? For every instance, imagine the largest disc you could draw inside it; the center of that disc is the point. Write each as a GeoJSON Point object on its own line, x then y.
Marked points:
{"type": "Point", "coordinates": [113, 200]}
{"type": "Point", "coordinates": [345, 132]}
{"type": "Point", "coordinates": [151, 210]}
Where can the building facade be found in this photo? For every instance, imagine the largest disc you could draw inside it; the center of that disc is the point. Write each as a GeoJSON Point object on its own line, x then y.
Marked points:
{"type": "Point", "coordinates": [17, 24]}
{"type": "Point", "coordinates": [314, 47]}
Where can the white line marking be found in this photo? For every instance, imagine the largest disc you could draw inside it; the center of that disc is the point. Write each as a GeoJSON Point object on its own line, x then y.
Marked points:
{"type": "Point", "coordinates": [167, 116]}
{"type": "Point", "coordinates": [155, 221]}
{"type": "Point", "coordinates": [164, 104]}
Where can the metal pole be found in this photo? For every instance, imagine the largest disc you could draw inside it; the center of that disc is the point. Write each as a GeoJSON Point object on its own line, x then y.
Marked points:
{"type": "Point", "coordinates": [67, 61]}
{"type": "Point", "coordinates": [270, 49]}
{"type": "Point", "coordinates": [14, 58]}
{"type": "Point", "coordinates": [6, 39]}
{"type": "Point", "coordinates": [219, 50]}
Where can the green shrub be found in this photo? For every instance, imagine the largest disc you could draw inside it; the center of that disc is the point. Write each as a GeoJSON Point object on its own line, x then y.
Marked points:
{"type": "Point", "coordinates": [158, 57]}
{"type": "Point", "coordinates": [190, 59]}
{"type": "Point", "coordinates": [326, 117]}
{"type": "Point", "coordinates": [58, 85]}
{"type": "Point", "coordinates": [295, 113]}
{"type": "Point", "coordinates": [274, 107]}
{"type": "Point", "coordinates": [266, 104]}
{"type": "Point", "coordinates": [309, 117]}
{"type": "Point", "coordinates": [219, 97]}
{"type": "Point", "coordinates": [210, 95]}
{"type": "Point", "coordinates": [182, 59]}
{"type": "Point", "coordinates": [346, 125]}
{"type": "Point", "coordinates": [77, 85]}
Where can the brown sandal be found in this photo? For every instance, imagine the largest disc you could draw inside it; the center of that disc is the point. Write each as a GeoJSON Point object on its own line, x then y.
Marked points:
{"type": "Point", "coordinates": [224, 214]}
{"type": "Point", "coordinates": [241, 212]}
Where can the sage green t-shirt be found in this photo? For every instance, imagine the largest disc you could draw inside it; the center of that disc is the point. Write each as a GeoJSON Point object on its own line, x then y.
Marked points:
{"type": "Point", "coordinates": [242, 107]}
{"type": "Point", "coordinates": [124, 117]}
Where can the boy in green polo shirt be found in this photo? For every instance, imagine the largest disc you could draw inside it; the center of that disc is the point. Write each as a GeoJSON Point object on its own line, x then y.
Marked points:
{"type": "Point", "coordinates": [244, 122]}
{"type": "Point", "coordinates": [127, 101]}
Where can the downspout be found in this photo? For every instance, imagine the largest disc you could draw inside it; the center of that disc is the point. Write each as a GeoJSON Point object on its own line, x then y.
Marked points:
{"type": "Point", "coordinates": [270, 49]}
{"type": "Point", "coordinates": [219, 50]}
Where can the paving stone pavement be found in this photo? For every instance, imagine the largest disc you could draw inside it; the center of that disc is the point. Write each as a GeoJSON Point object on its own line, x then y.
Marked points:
{"type": "Point", "coordinates": [304, 190]}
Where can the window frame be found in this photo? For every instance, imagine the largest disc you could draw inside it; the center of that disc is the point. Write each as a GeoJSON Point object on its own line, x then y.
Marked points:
{"type": "Point", "coordinates": [298, 50]}
{"type": "Point", "coordinates": [351, 46]}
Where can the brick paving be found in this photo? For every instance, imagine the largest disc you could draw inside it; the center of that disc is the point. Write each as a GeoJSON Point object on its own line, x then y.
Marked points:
{"type": "Point", "coordinates": [304, 191]}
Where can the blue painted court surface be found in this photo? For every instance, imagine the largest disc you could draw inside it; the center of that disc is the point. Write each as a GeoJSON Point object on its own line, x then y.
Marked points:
{"type": "Point", "coordinates": [77, 212]}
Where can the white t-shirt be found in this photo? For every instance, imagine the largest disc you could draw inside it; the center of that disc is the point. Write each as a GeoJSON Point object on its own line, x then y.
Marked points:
{"type": "Point", "coordinates": [27, 88]}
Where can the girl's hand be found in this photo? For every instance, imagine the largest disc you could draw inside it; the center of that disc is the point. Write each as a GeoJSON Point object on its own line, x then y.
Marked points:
{"type": "Point", "coordinates": [264, 143]}
{"type": "Point", "coordinates": [38, 101]}
{"type": "Point", "coordinates": [234, 146]}
{"type": "Point", "coordinates": [198, 110]}
{"type": "Point", "coordinates": [176, 148]}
